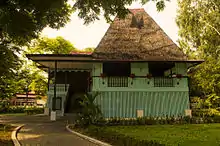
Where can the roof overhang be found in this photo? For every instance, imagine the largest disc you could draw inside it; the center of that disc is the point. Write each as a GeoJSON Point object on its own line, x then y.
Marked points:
{"type": "Point", "coordinates": [64, 61]}
{"type": "Point", "coordinates": [84, 61]}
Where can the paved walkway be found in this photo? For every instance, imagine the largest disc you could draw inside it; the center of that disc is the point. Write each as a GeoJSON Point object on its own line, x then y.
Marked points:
{"type": "Point", "coordinates": [40, 131]}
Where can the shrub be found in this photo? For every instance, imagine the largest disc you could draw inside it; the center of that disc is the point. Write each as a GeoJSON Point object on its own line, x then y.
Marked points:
{"type": "Point", "coordinates": [33, 110]}
{"type": "Point", "coordinates": [205, 112]}
{"type": "Point", "coordinates": [157, 121]}
{"type": "Point", "coordinates": [90, 111]}
{"type": "Point", "coordinates": [4, 105]}
{"type": "Point", "coordinates": [15, 109]}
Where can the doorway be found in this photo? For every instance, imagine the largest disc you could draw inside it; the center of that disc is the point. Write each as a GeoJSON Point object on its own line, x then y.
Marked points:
{"type": "Point", "coordinates": [78, 87]}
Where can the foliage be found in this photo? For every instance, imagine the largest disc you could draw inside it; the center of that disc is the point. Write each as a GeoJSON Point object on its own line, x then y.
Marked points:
{"type": "Point", "coordinates": [206, 112]}
{"type": "Point", "coordinates": [4, 106]}
{"type": "Point", "coordinates": [46, 45]}
{"type": "Point", "coordinates": [199, 116]}
{"type": "Point", "coordinates": [21, 21]}
{"type": "Point", "coordinates": [88, 49]}
{"type": "Point", "coordinates": [33, 110]}
{"type": "Point", "coordinates": [38, 84]}
{"type": "Point", "coordinates": [91, 9]}
{"type": "Point", "coordinates": [12, 109]}
{"type": "Point", "coordinates": [5, 135]}
{"type": "Point", "coordinates": [27, 76]}
{"type": "Point", "coordinates": [20, 109]}
{"type": "Point", "coordinates": [206, 77]}
{"type": "Point", "coordinates": [90, 111]}
{"type": "Point", "coordinates": [206, 107]}
{"type": "Point", "coordinates": [11, 60]}
{"type": "Point", "coordinates": [199, 23]}
{"type": "Point", "coordinates": [14, 84]}
{"type": "Point", "coordinates": [9, 63]}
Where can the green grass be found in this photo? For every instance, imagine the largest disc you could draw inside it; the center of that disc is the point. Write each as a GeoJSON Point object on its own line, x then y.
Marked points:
{"type": "Point", "coordinates": [5, 135]}
{"type": "Point", "coordinates": [175, 135]}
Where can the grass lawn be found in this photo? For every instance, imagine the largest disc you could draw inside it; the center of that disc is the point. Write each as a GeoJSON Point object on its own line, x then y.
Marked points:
{"type": "Point", "coordinates": [178, 135]}
{"type": "Point", "coordinates": [5, 135]}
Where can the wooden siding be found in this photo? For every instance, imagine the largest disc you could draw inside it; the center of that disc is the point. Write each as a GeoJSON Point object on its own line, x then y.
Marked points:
{"type": "Point", "coordinates": [125, 104]}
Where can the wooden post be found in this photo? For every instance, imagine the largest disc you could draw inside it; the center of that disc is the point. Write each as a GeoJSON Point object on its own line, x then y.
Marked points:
{"type": "Point", "coordinates": [55, 86]}
{"type": "Point", "coordinates": [48, 82]}
{"type": "Point", "coordinates": [65, 79]}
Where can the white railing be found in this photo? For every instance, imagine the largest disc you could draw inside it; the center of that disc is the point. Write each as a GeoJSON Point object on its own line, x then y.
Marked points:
{"type": "Point", "coordinates": [59, 87]}
{"type": "Point", "coordinates": [117, 81]}
{"type": "Point", "coordinates": [163, 82]}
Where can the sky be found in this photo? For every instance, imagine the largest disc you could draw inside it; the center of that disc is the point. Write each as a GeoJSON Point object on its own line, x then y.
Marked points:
{"type": "Point", "coordinates": [83, 36]}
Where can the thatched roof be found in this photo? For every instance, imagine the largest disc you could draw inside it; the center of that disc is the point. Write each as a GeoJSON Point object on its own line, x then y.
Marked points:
{"type": "Point", "coordinates": [137, 37]}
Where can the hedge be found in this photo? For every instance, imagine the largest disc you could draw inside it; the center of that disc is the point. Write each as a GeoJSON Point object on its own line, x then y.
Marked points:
{"type": "Point", "coordinates": [22, 109]}
{"type": "Point", "coordinates": [157, 121]}
{"type": "Point", "coordinates": [34, 110]}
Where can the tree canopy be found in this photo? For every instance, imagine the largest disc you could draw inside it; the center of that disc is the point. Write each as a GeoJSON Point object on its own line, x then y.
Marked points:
{"type": "Point", "coordinates": [21, 21]}
{"type": "Point", "coordinates": [46, 45]}
{"type": "Point", "coordinates": [90, 10]}
{"type": "Point", "coordinates": [199, 23]}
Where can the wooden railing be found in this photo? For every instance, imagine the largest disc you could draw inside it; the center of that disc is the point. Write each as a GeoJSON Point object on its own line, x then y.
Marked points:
{"type": "Point", "coordinates": [163, 82]}
{"type": "Point", "coordinates": [117, 81]}
{"type": "Point", "coordinates": [59, 87]}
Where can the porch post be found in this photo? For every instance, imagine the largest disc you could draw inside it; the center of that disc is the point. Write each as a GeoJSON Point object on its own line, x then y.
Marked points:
{"type": "Point", "coordinates": [55, 86]}
{"type": "Point", "coordinates": [65, 79]}
{"type": "Point", "coordinates": [47, 107]}
{"type": "Point", "coordinates": [53, 112]}
{"type": "Point", "coordinates": [48, 82]}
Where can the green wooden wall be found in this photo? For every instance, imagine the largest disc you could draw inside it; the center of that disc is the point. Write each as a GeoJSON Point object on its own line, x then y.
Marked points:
{"type": "Point", "coordinates": [141, 94]}
{"type": "Point", "coordinates": [125, 104]}
{"type": "Point", "coordinates": [140, 84]}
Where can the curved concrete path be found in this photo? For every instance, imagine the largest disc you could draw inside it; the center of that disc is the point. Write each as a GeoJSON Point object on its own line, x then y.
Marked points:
{"type": "Point", "coordinates": [40, 131]}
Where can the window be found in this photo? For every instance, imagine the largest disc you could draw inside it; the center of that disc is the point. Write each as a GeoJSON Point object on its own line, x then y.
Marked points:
{"type": "Point", "coordinates": [117, 69]}
{"type": "Point", "coordinates": [117, 74]}
{"type": "Point", "coordinates": [158, 69]}
{"type": "Point", "coordinates": [162, 72]}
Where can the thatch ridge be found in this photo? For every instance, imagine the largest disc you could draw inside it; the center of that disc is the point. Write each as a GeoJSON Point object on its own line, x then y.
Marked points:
{"type": "Point", "coordinates": [137, 37]}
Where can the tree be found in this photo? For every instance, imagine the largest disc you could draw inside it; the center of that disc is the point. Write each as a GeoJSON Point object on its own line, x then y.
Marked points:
{"type": "Point", "coordinates": [88, 49]}
{"type": "Point", "coordinates": [38, 82]}
{"type": "Point", "coordinates": [56, 45]}
{"type": "Point", "coordinates": [15, 83]}
{"type": "Point", "coordinates": [206, 77]}
{"type": "Point", "coordinates": [9, 61]}
{"type": "Point", "coordinates": [21, 21]}
{"type": "Point", "coordinates": [199, 24]}
{"type": "Point", "coordinates": [90, 10]}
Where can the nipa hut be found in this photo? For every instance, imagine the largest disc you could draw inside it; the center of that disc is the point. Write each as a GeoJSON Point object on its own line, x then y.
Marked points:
{"type": "Point", "coordinates": [137, 69]}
